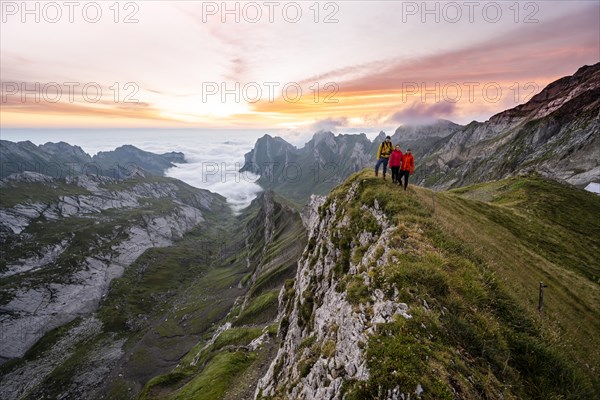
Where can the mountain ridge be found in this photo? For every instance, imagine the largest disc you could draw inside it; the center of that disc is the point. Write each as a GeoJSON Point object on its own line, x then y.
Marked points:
{"type": "Point", "coordinates": [556, 133]}
{"type": "Point", "coordinates": [390, 294]}
{"type": "Point", "coordinates": [62, 159]}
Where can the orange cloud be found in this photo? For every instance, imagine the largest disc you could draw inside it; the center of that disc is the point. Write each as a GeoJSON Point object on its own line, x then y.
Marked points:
{"type": "Point", "coordinates": [482, 79]}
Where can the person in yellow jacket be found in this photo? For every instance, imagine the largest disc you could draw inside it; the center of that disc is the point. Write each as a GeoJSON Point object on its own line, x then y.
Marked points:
{"type": "Point", "coordinates": [383, 155]}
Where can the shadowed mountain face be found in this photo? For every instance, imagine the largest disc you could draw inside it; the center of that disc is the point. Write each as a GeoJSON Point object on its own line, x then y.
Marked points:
{"type": "Point", "coordinates": [556, 133]}
{"type": "Point", "coordinates": [321, 164]}
{"type": "Point", "coordinates": [61, 159]}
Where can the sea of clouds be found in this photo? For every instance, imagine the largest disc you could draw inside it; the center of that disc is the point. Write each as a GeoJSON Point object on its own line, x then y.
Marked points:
{"type": "Point", "coordinates": [213, 156]}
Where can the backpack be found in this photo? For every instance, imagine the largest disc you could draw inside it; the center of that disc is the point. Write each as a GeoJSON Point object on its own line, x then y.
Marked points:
{"type": "Point", "coordinates": [386, 149]}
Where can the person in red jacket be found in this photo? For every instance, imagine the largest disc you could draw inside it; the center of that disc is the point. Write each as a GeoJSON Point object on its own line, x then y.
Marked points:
{"type": "Point", "coordinates": [408, 167]}
{"type": "Point", "coordinates": [396, 163]}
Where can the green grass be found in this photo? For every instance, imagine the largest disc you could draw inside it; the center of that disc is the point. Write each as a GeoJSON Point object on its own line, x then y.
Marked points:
{"type": "Point", "coordinates": [554, 220]}
{"type": "Point", "coordinates": [38, 192]}
{"type": "Point", "coordinates": [521, 229]}
{"type": "Point", "coordinates": [357, 291]}
{"type": "Point", "coordinates": [260, 310]}
{"type": "Point", "coordinates": [188, 377]}
{"type": "Point", "coordinates": [236, 337]}
{"type": "Point", "coordinates": [480, 335]}
{"type": "Point", "coordinates": [213, 382]}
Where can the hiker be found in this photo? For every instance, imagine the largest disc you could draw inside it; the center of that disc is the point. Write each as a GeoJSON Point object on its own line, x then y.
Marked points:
{"type": "Point", "coordinates": [408, 167]}
{"type": "Point", "coordinates": [383, 155]}
{"type": "Point", "coordinates": [395, 164]}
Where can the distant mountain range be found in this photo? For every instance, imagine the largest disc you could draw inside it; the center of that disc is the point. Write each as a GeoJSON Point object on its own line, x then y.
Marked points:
{"type": "Point", "coordinates": [61, 159]}
{"type": "Point", "coordinates": [556, 134]}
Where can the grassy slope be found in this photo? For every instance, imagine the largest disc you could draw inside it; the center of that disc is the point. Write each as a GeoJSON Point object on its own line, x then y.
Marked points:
{"type": "Point", "coordinates": [477, 264]}
{"type": "Point", "coordinates": [530, 230]}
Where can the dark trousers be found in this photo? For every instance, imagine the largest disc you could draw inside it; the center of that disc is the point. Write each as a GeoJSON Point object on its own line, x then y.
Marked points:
{"type": "Point", "coordinates": [383, 161]}
{"type": "Point", "coordinates": [404, 174]}
{"type": "Point", "coordinates": [395, 176]}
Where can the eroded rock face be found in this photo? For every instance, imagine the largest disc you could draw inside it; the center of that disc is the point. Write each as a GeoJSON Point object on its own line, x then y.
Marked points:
{"type": "Point", "coordinates": [555, 134]}
{"type": "Point", "coordinates": [310, 213]}
{"type": "Point", "coordinates": [25, 381]}
{"type": "Point", "coordinates": [47, 285]}
{"type": "Point", "coordinates": [326, 332]}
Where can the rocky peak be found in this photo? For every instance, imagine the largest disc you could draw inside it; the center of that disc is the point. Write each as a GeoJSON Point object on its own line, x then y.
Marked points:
{"type": "Point", "coordinates": [322, 136]}
{"type": "Point", "coordinates": [553, 96]}
{"type": "Point", "coordinates": [267, 152]}
{"type": "Point", "coordinates": [381, 137]}
{"type": "Point", "coordinates": [555, 133]}
{"type": "Point", "coordinates": [65, 150]}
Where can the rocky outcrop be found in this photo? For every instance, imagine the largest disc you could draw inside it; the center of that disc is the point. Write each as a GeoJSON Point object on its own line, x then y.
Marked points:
{"type": "Point", "coordinates": [310, 213]}
{"type": "Point", "coordinates": [96, 234]}
{"type": "Point", "coordinates": [25, 381]}
{"type": "Point", "coordinates": [266, 152]}
{"type": "Point", "coordinates": [323, 331]}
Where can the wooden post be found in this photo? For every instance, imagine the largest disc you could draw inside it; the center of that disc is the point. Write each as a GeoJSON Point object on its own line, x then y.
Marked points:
{"type": "Point", "coordinates": [541, 303]}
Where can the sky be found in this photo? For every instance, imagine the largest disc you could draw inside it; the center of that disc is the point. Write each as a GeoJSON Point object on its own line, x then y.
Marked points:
{"type": "Point", "coordinates": [304, 65]}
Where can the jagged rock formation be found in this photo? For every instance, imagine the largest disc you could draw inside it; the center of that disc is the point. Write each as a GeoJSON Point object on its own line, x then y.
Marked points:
{"type": "Point", "coordinates": [310, 214]}
{"type": "Point", "coordinates": [62, 160]}
{"type": "Point", "coordinates": [316, 311]}
{"type": "Point", "coordinates": [324, 162]}
{"type": "Point", "coordinates": [268, 150]}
